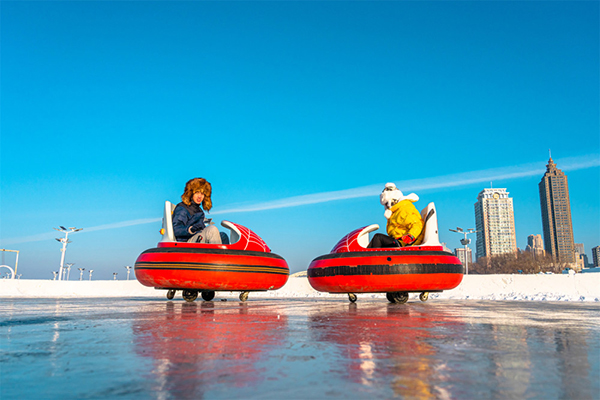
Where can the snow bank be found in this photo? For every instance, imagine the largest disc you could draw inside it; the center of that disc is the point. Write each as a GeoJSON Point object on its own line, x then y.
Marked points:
{"type": "Point", "coordinates": [48, 288]}
{"type": "Point", "coordinates": [578, 287]}
{"type": "Point", "coordinates": [567, 287]}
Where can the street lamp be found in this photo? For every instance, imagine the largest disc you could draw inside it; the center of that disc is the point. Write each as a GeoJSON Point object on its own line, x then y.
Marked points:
{"type": "Point", "coordinates": [91, 270]}
{"type": "Point", "coordinates": [54, 274]}
{"type": "Point", "coordinates": [128, 271]}
{"type": "Point", "coordinates": [81, 273]}
{"type": "Point", "coordinates": [69, 265]}
{"type": "Point", "coordinates": [115, 276]}
{"type": "Point", "coordinates": [465, 242]}
{"type": "Point", "coordinates": [64, 241]}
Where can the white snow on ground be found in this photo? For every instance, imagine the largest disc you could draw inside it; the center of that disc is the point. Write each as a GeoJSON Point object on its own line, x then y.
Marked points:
{"type": "Point", "coordinates": [575, 287]}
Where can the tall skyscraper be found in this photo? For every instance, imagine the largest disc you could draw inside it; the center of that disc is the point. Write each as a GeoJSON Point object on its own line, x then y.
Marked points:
{"type": "Point", "coordinates": [535, 244]}
{"type": "Point", "coordinates": [495, 223]}
{"type": "Point", "coordinates": [556, 214]}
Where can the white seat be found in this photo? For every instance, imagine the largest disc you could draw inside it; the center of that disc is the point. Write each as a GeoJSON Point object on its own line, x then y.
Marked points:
{"type": "Point", "coordinates": [167, 223]}
{"type": "Point", "coordinates": [430, 237]}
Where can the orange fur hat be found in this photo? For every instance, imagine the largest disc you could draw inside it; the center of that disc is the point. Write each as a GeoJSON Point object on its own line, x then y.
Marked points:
{"type": "Point", "coordinates": [198, 185]}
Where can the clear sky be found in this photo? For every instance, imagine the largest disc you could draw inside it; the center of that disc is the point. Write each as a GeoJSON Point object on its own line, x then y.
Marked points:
{"type": "Point", "coordinates": [297, 112]}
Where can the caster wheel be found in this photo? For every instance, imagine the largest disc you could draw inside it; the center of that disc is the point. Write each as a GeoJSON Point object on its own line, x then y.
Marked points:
{"type": "Point", "coordinates": [190, 295]}
{"type": "Point", "coordinates": [401, 297]}
{"type": "Point", "coordinates": [208, 296]}
{"type": "Point", "coordinates": [244, 296]}
{"type": "Point", "coordinates": [424, 296]}
{"type": "Point", "coordinates": [171, 294]}
{"type": "Point", "coordinates": [390, 297]}
{"type": "Point", "coordinates": [352, 297]}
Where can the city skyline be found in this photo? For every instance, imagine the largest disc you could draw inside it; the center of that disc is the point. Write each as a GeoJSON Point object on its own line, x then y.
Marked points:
{"type": "Point", "coordinates": [494, 222]}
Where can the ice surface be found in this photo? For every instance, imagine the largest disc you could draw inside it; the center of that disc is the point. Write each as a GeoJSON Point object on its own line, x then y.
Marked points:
{"type": "Point", "coordinates": [142, 348]}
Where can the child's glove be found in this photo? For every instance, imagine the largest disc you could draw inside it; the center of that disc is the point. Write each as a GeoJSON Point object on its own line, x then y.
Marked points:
{"type": "Point", "coordinates": [408, 239]}
{"type": "Point", "coordinates": [196, 223]}
{"type": "Point", "coordinates": [197, 227]}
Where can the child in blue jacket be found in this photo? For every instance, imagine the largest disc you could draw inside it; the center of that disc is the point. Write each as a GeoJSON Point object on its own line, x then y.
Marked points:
{"type": "Point", "coordinates": [188, 217]}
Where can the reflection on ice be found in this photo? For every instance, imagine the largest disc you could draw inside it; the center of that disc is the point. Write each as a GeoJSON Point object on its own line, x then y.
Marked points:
{"type": "Point", "coordinates": [390, 345]}
{"type": "Point", "coordinates": [441, 350]}
{"type": "Point", "coordinates": [197, 345]}
{"type": "Point", "coordinates": [139, 348]}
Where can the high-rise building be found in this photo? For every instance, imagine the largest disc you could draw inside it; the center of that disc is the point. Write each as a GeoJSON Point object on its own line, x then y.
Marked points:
{"type": "Point", "coordinates": [535, 245]}
{"type": "Point", "coordinates": [495, 223]}
{"type": "Point", "coordinates": [580, 258]}
{"type": "Point", "coordinates": [586, 261]}
{"type": "Point", "coordinates": [596, 256]}
{"type": "Point", "coordinates": [556, 214]}
{"type": "Point", "coordinates": [463, 255]}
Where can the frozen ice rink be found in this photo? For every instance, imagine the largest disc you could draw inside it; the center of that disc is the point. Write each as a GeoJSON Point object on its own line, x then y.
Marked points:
{"type": "Point", "coordinates": [298, 348]}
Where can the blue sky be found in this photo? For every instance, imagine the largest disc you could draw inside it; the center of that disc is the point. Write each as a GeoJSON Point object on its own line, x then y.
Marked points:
{"type": "Point", "coordinates": [108, 108]}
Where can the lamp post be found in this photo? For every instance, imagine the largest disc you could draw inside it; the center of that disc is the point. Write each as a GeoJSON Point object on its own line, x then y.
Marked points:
{"type": "Point", "coordinates": [115, 276]}
{"type": "Point", "coordinates": [91, 270]}
{"type": "Point", "coordinates": [69, 265]}
{"type": "Point", "coordinates": [128, 271]}
{"type": "Point", "coordinates": [54, 275]}
{"type": "Point", "coordinates": [64, 242]}
{"type": "Point", "coordinates": [81, 273]}
{"type": "Point", "coordinates": [465, 242]}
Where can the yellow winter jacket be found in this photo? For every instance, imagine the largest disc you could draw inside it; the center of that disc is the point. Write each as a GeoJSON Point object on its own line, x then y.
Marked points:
{"type": "Point", "coordinates": [405, 220]}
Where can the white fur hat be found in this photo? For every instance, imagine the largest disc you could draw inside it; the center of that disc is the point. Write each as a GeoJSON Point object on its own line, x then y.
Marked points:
{"type": "Point", "coordinates": [391, 195]}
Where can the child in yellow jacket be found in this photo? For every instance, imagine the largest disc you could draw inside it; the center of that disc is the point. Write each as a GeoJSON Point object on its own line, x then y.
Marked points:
{"type": "Point", "coordinates": [404, 225]}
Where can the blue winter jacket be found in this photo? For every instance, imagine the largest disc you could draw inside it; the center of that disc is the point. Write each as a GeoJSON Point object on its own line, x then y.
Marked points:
{"type": "Point", "coordinates": [184, 217]}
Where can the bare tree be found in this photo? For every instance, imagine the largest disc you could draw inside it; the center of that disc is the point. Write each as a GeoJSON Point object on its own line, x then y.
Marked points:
{"type": "Point", "coordinates": [521, 262]}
